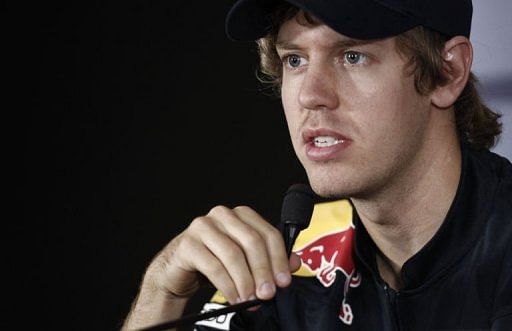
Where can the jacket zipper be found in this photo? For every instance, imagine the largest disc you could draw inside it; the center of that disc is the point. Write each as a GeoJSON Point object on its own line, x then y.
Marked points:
{"type": "Point", "coordinates": [392, 296]}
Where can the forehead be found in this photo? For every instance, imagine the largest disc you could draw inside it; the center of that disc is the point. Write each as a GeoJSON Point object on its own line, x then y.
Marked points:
{"type": "Point", "coordinates": [297, 31]}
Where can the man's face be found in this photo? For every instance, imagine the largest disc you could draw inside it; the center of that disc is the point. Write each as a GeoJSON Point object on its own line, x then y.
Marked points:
{"type": "Point", "coordinates": [356, 121]}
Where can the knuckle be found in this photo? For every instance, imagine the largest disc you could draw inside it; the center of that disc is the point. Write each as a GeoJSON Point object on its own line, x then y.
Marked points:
{"type": "Point", "coordinates": [252, 239]}
{"type": "Point", "coordinates": [243, 208]}
{"type": "Point", "coordinates": [199, 224]}
{"type": "Point", "coordinates": [218, 210]}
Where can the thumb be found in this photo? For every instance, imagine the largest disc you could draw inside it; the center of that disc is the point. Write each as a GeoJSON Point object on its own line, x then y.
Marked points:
{"type": "Point", "coordinates": [295, 262]}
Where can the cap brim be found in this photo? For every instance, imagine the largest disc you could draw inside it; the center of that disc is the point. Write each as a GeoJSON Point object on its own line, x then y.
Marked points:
{"type": "Point", "coordinates": [249, 20]}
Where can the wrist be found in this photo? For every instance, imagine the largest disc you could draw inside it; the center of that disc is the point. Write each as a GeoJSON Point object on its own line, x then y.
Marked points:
{"type": "Point", "coordinates": [154, 305]}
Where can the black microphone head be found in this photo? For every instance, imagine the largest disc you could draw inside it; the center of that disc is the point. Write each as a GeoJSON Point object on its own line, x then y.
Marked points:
{"type": "Point", "coordinates": [298, 206]}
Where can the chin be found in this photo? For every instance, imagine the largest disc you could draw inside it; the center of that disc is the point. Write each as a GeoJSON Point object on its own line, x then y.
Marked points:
{"type": "Point", "coordinates": [335, 180]}
{"type": "Point", "coordinates": [330, 189]}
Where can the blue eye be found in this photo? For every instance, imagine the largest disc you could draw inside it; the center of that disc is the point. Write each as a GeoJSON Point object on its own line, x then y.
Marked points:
{"type": "Point", "coordinates": [295, 61]}
{"type": "Point", "coordinates": [354, 58]}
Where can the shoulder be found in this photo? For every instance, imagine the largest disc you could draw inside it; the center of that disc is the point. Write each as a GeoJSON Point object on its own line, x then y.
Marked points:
{"type": "Point", "coordinates": [500, 169]}
{"type": "Point", "coordinates": [494, 174]}
{"type": "Point", "coordinates": [497, 169]}
{"type": "Point", "coordinates": [491, 164]}
{"type": "Point", "coordinates": [489, 187]}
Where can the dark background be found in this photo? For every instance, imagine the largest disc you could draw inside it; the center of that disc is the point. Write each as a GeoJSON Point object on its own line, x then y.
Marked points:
{"type": "Point", "coordinates": [129, 119]}
{"type": "Point", "coordinates": [124, 120]}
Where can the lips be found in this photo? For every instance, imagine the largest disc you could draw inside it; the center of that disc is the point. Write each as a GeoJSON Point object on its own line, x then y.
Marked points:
{"type": "Point", "coordinates": [324, 144]}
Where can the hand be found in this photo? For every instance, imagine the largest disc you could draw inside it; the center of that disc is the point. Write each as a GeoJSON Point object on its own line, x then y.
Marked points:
{"type": "Point", "coordinates": [239, 252]}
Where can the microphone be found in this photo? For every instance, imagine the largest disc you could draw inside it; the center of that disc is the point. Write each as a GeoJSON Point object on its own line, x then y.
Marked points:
{"type": "Point", "coordinates": [296, 214]}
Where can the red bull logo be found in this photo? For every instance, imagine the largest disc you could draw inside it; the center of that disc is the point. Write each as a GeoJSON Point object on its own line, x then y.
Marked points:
{"type": "Point", "coordinates": [329, 252]}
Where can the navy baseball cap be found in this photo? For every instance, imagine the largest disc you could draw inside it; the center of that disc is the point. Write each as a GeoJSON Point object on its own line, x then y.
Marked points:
{"type": "Point", "coordinates": [249, 20]}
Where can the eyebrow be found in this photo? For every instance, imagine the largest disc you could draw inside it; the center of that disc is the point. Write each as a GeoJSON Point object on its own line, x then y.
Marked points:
{"type": "Point", "coordinates": [345, 43]}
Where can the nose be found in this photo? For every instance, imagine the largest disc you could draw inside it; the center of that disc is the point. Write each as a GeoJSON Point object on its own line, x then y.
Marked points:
{"type": "Point", "coordinates": [319, 89]}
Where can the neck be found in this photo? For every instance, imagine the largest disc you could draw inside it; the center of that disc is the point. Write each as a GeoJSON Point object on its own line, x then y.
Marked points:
{"type": "Point", "coordinates": [402, 218]}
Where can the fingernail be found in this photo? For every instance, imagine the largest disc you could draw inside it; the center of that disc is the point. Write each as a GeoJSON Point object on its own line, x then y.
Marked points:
{"type": "Point", "coordinates": [283, 278]}
{"type": "Point", "coordinates": [267, 290]}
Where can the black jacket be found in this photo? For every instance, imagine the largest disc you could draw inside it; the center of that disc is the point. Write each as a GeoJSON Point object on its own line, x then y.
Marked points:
{"type": "Point", "coordinates": [460, 280]}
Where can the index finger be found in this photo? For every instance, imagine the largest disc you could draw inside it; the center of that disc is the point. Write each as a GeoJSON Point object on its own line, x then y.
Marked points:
{"type": "Point", "coordinates": [273, 240]}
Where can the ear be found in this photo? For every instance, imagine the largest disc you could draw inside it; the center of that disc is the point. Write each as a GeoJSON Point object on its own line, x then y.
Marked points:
{"type": "Point", "coordinates": [458, 57]}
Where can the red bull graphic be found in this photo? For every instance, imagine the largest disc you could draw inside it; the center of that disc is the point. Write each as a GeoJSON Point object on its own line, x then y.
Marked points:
{"type": "Point", "coordinates": [325, 254]}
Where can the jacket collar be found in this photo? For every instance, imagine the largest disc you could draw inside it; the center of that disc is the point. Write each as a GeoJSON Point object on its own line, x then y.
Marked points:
{"type": "Point", "coordinates": [462, 227]}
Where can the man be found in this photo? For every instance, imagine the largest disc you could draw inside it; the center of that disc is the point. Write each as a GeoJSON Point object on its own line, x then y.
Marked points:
{"type": "Point", "coordinates": [381, 107]}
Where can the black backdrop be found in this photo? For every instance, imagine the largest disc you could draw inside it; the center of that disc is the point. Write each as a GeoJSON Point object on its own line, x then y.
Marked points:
{"type": "Point", "coordinates": [133, 118]}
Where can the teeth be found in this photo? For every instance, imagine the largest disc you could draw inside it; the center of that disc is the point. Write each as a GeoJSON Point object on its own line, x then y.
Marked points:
{"type": "Point", "coordinates": [326, 141]}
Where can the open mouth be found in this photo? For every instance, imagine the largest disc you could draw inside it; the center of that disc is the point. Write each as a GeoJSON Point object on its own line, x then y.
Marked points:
{"type": "Point", "coordinates": [324, 144]}
{"type": "Point", "coordinates": [326, 141]}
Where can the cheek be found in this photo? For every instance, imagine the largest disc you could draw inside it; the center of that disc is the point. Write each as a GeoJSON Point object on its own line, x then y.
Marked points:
{"type": "Point", "coordinates": [387, 106]}
{"type": "Point", "coordinates": [289, 100]}
{"type": "Point", "coordinates": [396, 126]}
{"type": "Point", "coordinates": [286, 102]}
